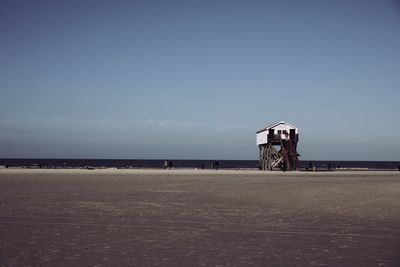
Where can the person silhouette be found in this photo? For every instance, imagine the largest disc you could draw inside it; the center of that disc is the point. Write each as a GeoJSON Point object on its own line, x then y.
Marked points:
{"type": "Point", "coordinates": [216, 164]}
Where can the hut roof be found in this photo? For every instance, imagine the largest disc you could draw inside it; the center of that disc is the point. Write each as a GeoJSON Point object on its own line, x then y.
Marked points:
{"type": "Point", "coordinates": [276, 124]}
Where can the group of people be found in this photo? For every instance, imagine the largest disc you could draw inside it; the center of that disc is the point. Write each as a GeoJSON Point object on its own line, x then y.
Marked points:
{"type": "Point", "coordinates": [167, 164]}
{"type": "Point", "coordinates": [215, 165]}
{"type": "Point", "coordinates": [312, 167]}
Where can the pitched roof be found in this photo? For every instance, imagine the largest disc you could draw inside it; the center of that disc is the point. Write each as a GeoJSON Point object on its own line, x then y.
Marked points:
{"type": "Point", "coordinates": [274, 125]}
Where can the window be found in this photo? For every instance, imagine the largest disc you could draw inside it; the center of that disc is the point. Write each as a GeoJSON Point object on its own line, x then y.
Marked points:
{"type": "Point", "coordinates": [279, 132]}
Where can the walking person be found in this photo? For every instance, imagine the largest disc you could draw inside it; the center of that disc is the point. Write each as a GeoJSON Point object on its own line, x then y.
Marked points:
{"type": "Point", "coordinates": [165, 164]}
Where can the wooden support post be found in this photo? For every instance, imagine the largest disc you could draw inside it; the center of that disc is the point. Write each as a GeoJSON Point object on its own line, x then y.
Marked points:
{"type": "Point", "coordinates": [269, 157]}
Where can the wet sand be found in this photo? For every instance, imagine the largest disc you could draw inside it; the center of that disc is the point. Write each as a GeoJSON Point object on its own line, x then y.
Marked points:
{"type": "Point", "coordinates": [198, 218]}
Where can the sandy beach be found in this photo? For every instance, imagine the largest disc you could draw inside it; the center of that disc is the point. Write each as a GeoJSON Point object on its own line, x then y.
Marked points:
{"type": "Point", "coordinates": [198, 218]}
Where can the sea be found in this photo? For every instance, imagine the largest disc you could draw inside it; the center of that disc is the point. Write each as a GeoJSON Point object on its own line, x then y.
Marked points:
{"type": "Point", "coordinates": [187, 164]}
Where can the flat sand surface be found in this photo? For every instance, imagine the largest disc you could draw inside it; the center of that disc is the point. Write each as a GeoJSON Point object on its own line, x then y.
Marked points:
{"type": "Point", "coordinates": [198, 218]}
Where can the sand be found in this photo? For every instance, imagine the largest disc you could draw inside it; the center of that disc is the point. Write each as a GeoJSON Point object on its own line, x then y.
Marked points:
{"type": "Point", "coordinates": [198, 218]}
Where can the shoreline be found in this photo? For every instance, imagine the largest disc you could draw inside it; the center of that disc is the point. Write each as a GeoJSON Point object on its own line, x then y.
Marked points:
{"type": "Point", "coordinates": [198, 172]}
{"type": "Point", "coordinates": [320, 165]}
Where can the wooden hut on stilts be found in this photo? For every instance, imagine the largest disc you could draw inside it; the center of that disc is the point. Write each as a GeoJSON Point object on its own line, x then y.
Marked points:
{"type": "Point", "coordinates": [278, 147]}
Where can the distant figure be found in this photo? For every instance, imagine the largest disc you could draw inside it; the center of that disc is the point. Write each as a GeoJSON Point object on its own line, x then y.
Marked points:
{"type": "Point", "coordinates": [216, 164]}
{"type": "Point", "coordinates": [202, 166]}
{"type": "Point", "coordinates": [310, 166]}
{"type": "Point", "coordinates": [338, 167]}
{"type": "Point", "coordinates": [329, 167]}
{"type": "Point", "coordinates": [170, 164]}
{"type": "Point", "coordinates": [283, 167]}
{"type": "Point", "coordinates": [165, 164]}
{"type": "Point", "coordinates": [259, 166]}
{"type": "Point", "coordinates": [398, 168]}
{"type": "Point", "coordinates": [7, 166]}
{"type": "Point", "coordinates": [286, 135]}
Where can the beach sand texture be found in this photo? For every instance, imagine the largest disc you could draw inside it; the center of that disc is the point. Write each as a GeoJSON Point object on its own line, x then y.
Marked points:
{"type": "Point", "coordinates": [198, 218]}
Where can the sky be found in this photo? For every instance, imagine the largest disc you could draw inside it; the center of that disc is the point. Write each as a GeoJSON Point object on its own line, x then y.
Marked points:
{"type": "Point", "coordinates": [196, 79]}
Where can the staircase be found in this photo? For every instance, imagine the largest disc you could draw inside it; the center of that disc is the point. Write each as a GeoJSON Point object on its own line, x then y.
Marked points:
{"type": "Point", "coordinates": [289, 154]}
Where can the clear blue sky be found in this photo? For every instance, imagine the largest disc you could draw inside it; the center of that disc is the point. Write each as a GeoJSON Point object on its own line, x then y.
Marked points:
{"type": "Point", "coordinates": [196, 79]}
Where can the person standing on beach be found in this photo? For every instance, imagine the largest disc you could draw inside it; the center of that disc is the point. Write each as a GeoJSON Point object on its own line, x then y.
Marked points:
{"type": "Point", "coordinates": [216, 164]}
{"type": "Point", "coordinates": [165, 164]}
{"type": "Point", "coordinates": [170, 164]}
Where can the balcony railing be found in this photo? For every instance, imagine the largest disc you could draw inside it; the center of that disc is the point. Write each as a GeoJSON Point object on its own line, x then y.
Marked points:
{"type": "Point", "coordinates": [279, 137]}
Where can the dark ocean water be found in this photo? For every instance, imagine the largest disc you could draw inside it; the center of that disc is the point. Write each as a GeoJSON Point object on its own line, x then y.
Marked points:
{"type": "Point", "coordinates": [158, 163]}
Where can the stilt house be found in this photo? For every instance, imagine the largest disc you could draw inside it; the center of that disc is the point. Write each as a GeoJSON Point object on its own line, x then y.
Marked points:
{"type": "Point", "coordinates": [278, 146]}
